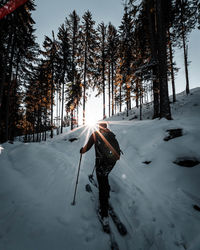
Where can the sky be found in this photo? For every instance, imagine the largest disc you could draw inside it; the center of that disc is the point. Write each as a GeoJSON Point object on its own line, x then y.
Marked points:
{"type": "Point", "coordinates": [50, 14]}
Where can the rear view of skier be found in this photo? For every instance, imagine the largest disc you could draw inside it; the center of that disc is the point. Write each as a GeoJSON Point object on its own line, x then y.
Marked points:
{"type": "Point", "coordinates": [107, 153]}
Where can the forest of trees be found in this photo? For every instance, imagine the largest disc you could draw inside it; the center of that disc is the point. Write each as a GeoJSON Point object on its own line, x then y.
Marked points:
{"type": "Point", "coordinates": [43, 88]}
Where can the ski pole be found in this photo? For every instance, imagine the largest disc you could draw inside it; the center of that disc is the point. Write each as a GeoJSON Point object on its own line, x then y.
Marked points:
{"type": "Point", "coordinates": [93, 170]}
{"type": "Point", "coordinates": [73, 202]}
{"type": "Point", "coordinates": [91, 175]}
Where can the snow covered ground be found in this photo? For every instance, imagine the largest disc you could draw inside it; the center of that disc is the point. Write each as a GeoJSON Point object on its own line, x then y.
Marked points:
{"type": "Point", "coordinates": [155, 201]}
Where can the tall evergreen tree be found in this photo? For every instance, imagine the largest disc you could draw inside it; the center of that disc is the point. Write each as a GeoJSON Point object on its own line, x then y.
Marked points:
{"type": "Point", "coordinates": [162, 8]}
{"type": "Point", "coordinates": [186, 16]}
{"type": "Point", "coordinates": [101, 62]}
{"type": "Point", "coordinates": [154, 22]}
{"type": "Point", "coordinates": [37, 103]}
{"type": "Point", "coordinates": [126, 55]}
{"type": "Point", "coordinates": [73, 27]}
{"type": "Point", "coordinates": [51, 55]}
{"type": "Point", "coordinates": [112, 56]}
{"type": "Point", "coordinates": [152, 29]}
{"type": "Point", "coordinates": [17, 46]}
{"type": "Point", "coordinates": [88, 47]}
{"type": "Point", "coordinates": [65, 62]}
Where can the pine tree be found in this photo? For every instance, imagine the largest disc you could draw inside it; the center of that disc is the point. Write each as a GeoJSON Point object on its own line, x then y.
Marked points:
{"type": "Point", "coordinates": [152, 37]}
{"type": "Point", "coordinates": [126, 55]}
{"type": "Point", "coordinates": [101, 58]}
{"type": "Point", "coordinates": [73, 27]}
{"type": "Point", "coordinates": [37, 102]}
{"type": "Point", "coordinates": [112, 56]}
{"type": "Point", "coordinates": [162, 23]}
{"type": "Point", "coordinates": [17, 50]}
{"type": "Point", "coordinates": [87, 52]}
{"type": "Point", "coordinates": [152, 30]}
{"type": "Point", "coordinates": [50, 52]}
{"type": "Point", "coordinates": [186, 16]}
{"type": "Point", "coordinates": [65, 63]}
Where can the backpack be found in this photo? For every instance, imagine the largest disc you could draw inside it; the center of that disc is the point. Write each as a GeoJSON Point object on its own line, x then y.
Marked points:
{"type": "Point", "coordinates": [108, 147]}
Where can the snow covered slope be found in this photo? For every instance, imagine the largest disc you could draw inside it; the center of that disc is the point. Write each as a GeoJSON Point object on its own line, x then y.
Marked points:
{"type": "Point", "coordinates": [155, 201]}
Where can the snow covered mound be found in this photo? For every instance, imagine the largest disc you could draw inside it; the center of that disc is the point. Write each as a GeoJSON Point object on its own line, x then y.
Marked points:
{"type": "Point", "coordinates": [155, 201]}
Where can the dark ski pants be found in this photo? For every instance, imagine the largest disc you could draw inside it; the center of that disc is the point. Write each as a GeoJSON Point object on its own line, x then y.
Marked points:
{"type": "Point", "coordinates": [102, 173]}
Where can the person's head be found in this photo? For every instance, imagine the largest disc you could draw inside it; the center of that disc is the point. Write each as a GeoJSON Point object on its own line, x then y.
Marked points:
{"type": "Point", "coordinates": [103, 125]}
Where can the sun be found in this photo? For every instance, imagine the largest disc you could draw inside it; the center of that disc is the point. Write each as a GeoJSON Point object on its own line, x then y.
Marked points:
{"type": "Point", "coordinates": [92, 121]}
{"type": "Point", "coordinates": [92, 118]}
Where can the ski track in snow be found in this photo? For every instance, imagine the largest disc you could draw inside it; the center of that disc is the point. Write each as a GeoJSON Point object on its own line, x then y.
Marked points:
{"type": "Point", "coordinates": [154, 201]}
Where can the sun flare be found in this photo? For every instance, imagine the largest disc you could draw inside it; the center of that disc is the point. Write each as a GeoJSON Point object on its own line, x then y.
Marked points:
{"type": "Point", "coordinates": [92, 122]}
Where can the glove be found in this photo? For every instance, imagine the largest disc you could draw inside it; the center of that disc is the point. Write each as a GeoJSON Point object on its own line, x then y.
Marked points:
{"type": "Point", "coordinates": [81, 150]}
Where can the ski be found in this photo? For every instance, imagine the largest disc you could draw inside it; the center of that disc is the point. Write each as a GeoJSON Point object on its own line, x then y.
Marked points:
{"type": "Point", "coordinates": [107, 229]}
{"type": "Point", "coordinates": [120, 226]}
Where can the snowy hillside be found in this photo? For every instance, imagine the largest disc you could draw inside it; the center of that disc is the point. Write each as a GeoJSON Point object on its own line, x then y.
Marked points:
{"type": "Point", "coordinates": [152, 195]}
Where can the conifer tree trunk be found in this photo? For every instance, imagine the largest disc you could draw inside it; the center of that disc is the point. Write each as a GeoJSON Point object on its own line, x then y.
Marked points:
{"type": "Point", "coordinates": [162, 59]}
{"type": "Point", "coordinates": [57, 115]}
{"type": "Point", "coordinates": [171, 67]}
{"type": "Point", "coordinates": [129, 88]}
{"type": "Point", "coordinates": [52, 93]}
{"type": "Point", "coordinates": [3, 68]}
{"type": "Point", "coordinates": [120, 98]}
{"type": "Point", "coordinates": [137, 93]}
{"type": "Point", "coordinates": [37, 129]}
{"type": "Point", "coordinates": [2, 81]}
{"type": "Point", "coordinates": [72, 115]}
{"type": "Point", "coordinates": [115, 90]}
{"type": "Point", "coordinates": [9, 87]}
{"type": "Point", "coordinates": [185, 51]}
{"type": "Point", "coordinates": [156, 94]}
{"type": "Point", "coordinates": [77, 111]}
{"type": "Point", "coordinates": [112, 86]}
{"type": "Point", "coordinates": [84, 83]}
{"type": "Point", "coordinates": [45, 123]}
{"type": "Point", "coordinates": [34, 119]}
{"type": "Point", "coordinates": [129, 100]}
{"type": "Point", "coordinates": [127, 97]}
{"type": "Point", "coordinates": [153, 46]}
{"type": "Point", "coordinates": [62, 106]}
{"type": "Point", "coordinates": [109, 89]}
{"type": "Point", "coordinates": [140, 103]}
{"type": "Point", "coordinates": [127, 106]}
{"type": "Point", "coordinates": [186, 65]}
{"type": "Point", "coordinates": [104, 101]}
{"type": "Point", "coordinates": [103, 80]}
